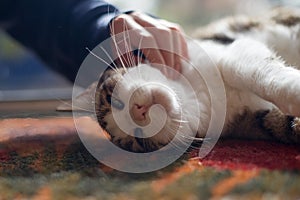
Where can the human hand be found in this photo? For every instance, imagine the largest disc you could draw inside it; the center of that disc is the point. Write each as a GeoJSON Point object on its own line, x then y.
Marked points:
{"type": "Point", "coordinates": [137, 30]}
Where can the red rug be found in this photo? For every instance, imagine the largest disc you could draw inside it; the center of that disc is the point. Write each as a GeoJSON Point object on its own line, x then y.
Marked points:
{"type": "Point", "coordinates": [247, 155]}
{"type": "Point", "coordinates": [44, 159]}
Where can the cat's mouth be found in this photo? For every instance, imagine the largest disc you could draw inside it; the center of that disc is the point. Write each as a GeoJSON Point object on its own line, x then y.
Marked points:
{"type": "Point", "coordinates": [140, 113]}
{"type": "Point", "coordinates": [148, 95]}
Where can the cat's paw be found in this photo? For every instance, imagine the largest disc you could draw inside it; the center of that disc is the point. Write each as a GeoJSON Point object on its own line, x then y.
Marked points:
{"type": "Point", "coordinates": [296, 126]}
{"type": "Point", "coordinates": [289, 100]}
{"type": "Point", "coordinates": [296, 130]}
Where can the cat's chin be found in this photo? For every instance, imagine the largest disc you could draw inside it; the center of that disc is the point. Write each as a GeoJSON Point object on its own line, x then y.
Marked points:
{"type": "Point", "coordinates": [152, 143]}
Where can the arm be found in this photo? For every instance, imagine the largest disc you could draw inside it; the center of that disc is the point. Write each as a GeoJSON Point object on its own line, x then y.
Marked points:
{"type": "Point", "coordinates": [58, 30]}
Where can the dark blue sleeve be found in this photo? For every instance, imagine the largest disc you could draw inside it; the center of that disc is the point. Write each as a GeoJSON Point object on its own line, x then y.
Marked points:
{"type": "Point", "coordinates": [59, 31]}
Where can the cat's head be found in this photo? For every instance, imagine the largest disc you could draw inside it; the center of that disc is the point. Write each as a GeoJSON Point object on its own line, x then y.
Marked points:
{"type": "Point", "coordinates": [132, 103]}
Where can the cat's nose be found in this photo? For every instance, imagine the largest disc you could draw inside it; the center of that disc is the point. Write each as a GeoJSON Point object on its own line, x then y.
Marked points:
{"type": "Point", "coordinates": [139, 112]}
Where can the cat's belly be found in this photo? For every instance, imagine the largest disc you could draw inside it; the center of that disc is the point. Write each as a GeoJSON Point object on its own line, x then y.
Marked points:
{"type": "Point", "coordinates": [236, 103]}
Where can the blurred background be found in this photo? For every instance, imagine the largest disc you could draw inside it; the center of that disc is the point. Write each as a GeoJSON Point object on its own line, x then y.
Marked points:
{"type": "Point", "coordinates": [23, 77]}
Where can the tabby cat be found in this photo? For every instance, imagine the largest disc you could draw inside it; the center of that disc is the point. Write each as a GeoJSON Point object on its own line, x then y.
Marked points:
{"type": "Point", "coordinates": [258, 59]}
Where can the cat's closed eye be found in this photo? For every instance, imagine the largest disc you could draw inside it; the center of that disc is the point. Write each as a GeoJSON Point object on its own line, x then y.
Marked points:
{"type": "Point", "coordinates": [116, 103]}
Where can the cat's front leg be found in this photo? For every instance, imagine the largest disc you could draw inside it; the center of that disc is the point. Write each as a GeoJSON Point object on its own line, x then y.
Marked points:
{"type": "Point", "coordinates": [249, 65]}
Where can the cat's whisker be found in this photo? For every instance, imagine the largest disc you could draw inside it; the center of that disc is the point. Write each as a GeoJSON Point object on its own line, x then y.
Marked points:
{"type": "Point", "coordinates": [101, 59]}
{"type": "Point", "coordinates": [190, 145]}
{"type": "Point", "coordinates": [120, 70]}
{"type": "Point", "coordinates": [192, 138]}
{"type": "Point", "coordinates": [186, 144]}
{"type": "Point", "coordinates": [179, 141]}
{"type": "Point", "coordinates": [139, 72]}
{"type": "Point", "coordinates": [177, 147]}
{"type": "Point", "coordinates": [175, 144]}
{"type": "Point", "coordinates": [72, 106]}
{"type": "Point", "coordinates": [182, 139]}
{"type": "Point", "coordinates": [110, 58]}
{"type": "Point", "coordinates": [129, 57]}
{"type": "Point", "coordinates": [193, 147]}
{"type": "Point", "coordinates": [112, 30]}
{"type": "Point", "coordinates": [126, 56]}
{"type": "Point", "coordinates": [82, 109]}
{"type": "Point", "coordinates": [180, 121]}
{"type": "Point", "coordinates": [123, 64]}
{"type": "Point", "coordinates": [139, 50]}
{"type": "Point", "coordinates": [206, 143]}
{"type": "Point", "coordinates": [128, 48]}
{"type": "Point", "coordinates": [138, 56]}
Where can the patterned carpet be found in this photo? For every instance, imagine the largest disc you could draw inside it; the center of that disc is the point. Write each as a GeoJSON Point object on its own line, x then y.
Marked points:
{"type": "Point", "coordinates": [44, 159]}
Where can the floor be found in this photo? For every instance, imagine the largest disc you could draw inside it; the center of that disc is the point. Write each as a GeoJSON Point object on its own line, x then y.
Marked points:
{"type": "Point", "coordinates": [42, 157]}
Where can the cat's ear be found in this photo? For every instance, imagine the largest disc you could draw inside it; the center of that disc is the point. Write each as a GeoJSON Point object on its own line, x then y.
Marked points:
{"type": "Point", "coordinates": [83, 102]}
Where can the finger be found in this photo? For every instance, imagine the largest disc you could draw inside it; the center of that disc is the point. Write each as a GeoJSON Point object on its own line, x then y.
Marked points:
{"type": "Point", "coordinates": [177, 53]}
{"type": "Point", "coordinates": [179, 49]}
{"type": "Point", "coordinates": [121, 46]}
{"type": "Point", "coordinates": [139, 37]}
{"type": "Point", "coordinates": [161, 34]}
{"type": "Point", "coordinates": [127, 60]}
{"type": "Point", "coordinates": [184, 47]}
{"type": "Point", "coordinates": [180, 45]}
{"type": "Point", "coordinates": [180, 37]}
